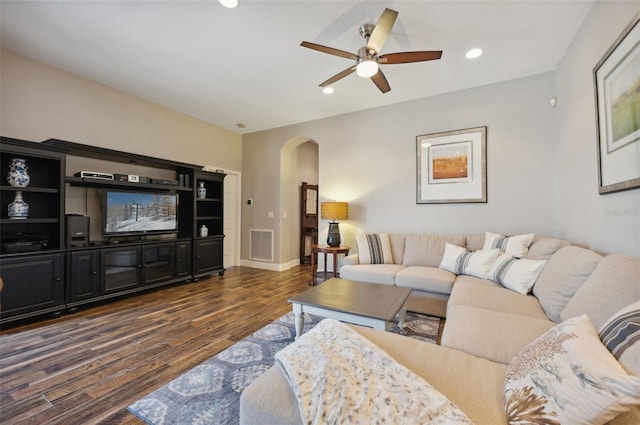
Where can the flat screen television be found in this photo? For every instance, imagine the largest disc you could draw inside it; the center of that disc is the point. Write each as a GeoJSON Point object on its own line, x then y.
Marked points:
{"type": "Point", "coordinates": [126, 213]}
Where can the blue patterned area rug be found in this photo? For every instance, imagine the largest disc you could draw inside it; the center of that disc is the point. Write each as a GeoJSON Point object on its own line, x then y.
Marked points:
{"type": "Point", "coordinates": [210, 392]}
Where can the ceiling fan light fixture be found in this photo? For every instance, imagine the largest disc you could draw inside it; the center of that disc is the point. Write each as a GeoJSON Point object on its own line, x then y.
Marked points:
{"type": "Point", "coordinates": [328, 90]}
{"type": "Point", "coordinates": [229, 3]}
{"type": "Point", "coordinates": [367, 68]}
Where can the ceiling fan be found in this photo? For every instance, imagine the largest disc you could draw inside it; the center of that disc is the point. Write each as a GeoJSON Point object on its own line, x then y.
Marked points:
{"type": "Point", "coordinates": [368, 58]}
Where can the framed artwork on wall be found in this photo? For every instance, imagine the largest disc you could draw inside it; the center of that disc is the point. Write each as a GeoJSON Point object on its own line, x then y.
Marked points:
{"type": "Point", "coordinates": [617, 95]}
{"type": "Point", "coordinates": [451, 167]}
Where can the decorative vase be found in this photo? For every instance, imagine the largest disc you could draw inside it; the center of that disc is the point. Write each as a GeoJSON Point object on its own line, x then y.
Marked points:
{"type": "Point", "coordinates": [18, 209]}
{"type": "Point", "coordinates": [202, 191]}
{"type": "Point", "coordinates": [18, 176]}
{"type": "Point", "coordinates": [204, 231]}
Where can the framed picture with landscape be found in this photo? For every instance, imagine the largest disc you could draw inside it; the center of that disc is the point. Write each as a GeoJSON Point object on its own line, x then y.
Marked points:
{"type": "Point", "coordinates": [451, 167]}
{"type": "Point", "coordinates": [617, 96]}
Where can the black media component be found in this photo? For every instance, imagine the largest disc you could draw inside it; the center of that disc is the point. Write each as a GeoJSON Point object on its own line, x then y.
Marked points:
{"type": "Point", "coordinates": [77, 231]}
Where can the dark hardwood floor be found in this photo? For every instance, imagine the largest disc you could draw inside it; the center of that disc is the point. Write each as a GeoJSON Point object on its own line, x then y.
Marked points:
{"type": "Point", "coordinates": [87, 367]}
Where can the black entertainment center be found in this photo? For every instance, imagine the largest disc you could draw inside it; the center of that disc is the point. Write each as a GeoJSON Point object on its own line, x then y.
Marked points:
{"type": "Point", "coordinates": [150, 231]}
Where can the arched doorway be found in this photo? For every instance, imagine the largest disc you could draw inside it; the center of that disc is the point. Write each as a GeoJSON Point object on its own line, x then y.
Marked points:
{"type": "Point", "coordinates": [299, 159]}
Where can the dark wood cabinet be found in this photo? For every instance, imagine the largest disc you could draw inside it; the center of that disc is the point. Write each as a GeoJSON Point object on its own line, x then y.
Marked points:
{"type": "Point", "coordinates": [209, 233]}
{"type": "Point", "coordinates": [208, 256]}
{"type": "Point", "coordinates": [158, 263]}
{"type": "Point", "coordinates": [183, 259]}
{"type": "Point", "coordinates": [83, 276]}
{"type": "Point", "coordinates": [43, 274]}
{"type": "Point", "coordinates": [42, 230]}
{"type": "Point", "coordinates": [32, 285]}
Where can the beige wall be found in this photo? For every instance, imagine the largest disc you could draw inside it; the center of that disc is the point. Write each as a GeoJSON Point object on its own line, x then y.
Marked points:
{"type": "Point", "coordinates": [368, 158]}
{"type": "Point", "coordinates": [39, 102]}
{"type": "Point", "coordinates": [610, 222]}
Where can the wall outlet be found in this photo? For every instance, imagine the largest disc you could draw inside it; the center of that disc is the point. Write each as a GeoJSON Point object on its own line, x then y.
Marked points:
{"type": "Point", "coordinates": [270, 214]}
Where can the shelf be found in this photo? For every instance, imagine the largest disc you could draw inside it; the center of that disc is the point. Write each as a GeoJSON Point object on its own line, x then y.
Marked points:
{"type": "Point", "coordinates": [208, 218]}
{"type": "Point", "coordinates": [209, 199]}
{"type": "Point", "coordinates": [30, 189]}
{"type": "Point", "coordinates": [88, 182]}
{"type": "Point", "coordinates": [28, 220]}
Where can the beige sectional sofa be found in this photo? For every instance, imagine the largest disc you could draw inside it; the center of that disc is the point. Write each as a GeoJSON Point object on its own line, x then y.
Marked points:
{"type": "Point", "coordinates": [487, 325]}
{"type": "Point", "coordinates": [415, 264]}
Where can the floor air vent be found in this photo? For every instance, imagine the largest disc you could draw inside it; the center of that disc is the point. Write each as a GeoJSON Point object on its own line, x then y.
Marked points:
{"type": "Point", "coordinates": [261, 245]}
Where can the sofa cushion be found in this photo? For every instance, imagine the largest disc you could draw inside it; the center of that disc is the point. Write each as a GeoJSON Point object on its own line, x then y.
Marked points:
{"type": "Point", "coordinates": [430, 279]}
{"type": "Point", "coordinates": [472, 383]}
{"type": "Point", "coordinates": [517, 274]}
{"type": "Point", "coordinates": [427, 250]}
{"type": "Point", "coordinates": [614, 284]}
{"type": "Point", "coordinates": [475, 385]}
{"type": "Point", "coordinates": [475, 242]}
{"type": "Point", "coordinates": [621, 336]}
{"type": "Point", "coordinates": [515, 246]}
{"type": "Point", "coordinates": [396, 240]}
{"type": "Point", "coordinates": [489, 295]}
{"type": "Point", "coordinates": [493, 335]}
{"type": "Point", "coordinates": [459, 260]}
{"type": "Point", "coordinates": [568, 376]}
{"type": "Point", "coordinates": [562, 276]}
{"type": "Point", "coordinates": [543, 248]}
{"type": "Point", "coordinates": [373, 273]}
{"type": "Point", "coordinates": [374, 248]}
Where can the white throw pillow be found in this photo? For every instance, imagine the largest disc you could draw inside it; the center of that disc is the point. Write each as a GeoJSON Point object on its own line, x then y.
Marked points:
{"type": "Point", "coordinates": [458, 260]}
{"type": "Point", "coordinates": [516, 246]}
{"type": "Point", "coordinates": [517, 274]}
{"type": "Point", "coordinates": [374, 248]}
{"type": "Point", "coordinates": [621, 336]}
{"type": "Point", "coordinates": [566, 376]}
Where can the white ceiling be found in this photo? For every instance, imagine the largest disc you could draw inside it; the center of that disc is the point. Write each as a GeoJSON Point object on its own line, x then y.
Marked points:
{"type": "Point", "coordinates": [245, 65]}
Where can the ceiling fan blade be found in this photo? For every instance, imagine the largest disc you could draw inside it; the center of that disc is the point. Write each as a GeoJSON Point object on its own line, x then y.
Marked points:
{"type": "Point", "coordinates": [381, 81]}
{"type": "Point", "coordinates": [408, 57]}
{"type": "Point", "coordinates": [329, 50]}
{"type": "Point", "coordinates": [338, 76]}
{"type": "Point", "coordinates": [382, 30]}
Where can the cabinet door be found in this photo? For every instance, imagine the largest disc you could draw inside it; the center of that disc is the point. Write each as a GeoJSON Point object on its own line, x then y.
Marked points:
{"type": "Point", "coordinates": [120, 269]}
{"type": "Point", "coordinates": [208, 255]}
{"type": "Point", "coordinates": [183, 259]}
{"type": "Point", "coordinates": [32, 285]}
{"type": "Point", "coordinates": [158, 263]}
{"type": "Point", "coordinates": [84, 281]}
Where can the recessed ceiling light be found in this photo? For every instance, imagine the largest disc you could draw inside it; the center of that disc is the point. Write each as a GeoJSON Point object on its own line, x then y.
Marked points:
{"type": "Point", "coordinates": [328, 90]}
{"type": "Point", "coordinates": [473, 53]}
{"type": "Point", "coordinates": [241, 125]}
{"type": "Point", "coordinates": [229, 3]}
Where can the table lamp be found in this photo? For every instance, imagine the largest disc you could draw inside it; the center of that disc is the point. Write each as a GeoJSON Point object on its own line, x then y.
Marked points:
{"type": "Point", "coordinates": [334, 211]}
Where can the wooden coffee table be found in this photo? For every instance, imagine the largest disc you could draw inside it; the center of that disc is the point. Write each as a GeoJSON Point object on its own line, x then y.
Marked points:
{"type": "Point", "coordinates": [361, 303]}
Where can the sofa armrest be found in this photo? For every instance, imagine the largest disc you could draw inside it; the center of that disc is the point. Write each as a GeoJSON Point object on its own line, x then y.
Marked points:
{"type": "Point", "coordinates": [350, 260]}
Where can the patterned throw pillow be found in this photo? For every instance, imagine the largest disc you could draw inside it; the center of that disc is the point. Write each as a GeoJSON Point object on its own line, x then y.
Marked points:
{"type": "Point", "coordinates": [374, 248]}
{"type": "Point", "coordinates": [517, 274]}
{"type": "Point", "coordinates": [516, 246]}
{"type": "Point", "coordinates": [566, 376]}
{"type": "Point", "coordinates": [458, 260]}
{"type": "Point", "coordinates": [621, 336]}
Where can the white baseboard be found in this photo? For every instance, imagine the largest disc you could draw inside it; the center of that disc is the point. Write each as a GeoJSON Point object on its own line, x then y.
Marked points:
{"type": "Point", "coordinates": [270, 266]}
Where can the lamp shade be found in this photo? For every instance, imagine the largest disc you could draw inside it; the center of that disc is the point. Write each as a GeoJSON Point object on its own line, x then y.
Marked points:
{"type": "Point", "coordinates": [334, 210]}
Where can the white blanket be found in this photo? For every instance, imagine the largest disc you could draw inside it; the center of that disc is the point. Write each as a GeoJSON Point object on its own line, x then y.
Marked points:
{"type": "Point", "coordinates": [338, 376]}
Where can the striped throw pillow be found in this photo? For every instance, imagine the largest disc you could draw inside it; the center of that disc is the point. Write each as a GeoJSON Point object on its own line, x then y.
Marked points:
{"type": "Point", "coordinates": [621, 336]}
{"type": "Point", "coordinates": [516, 246]}
{"type": "Point", "coordinates": [458, 260]}
{"type": "Point", "coordinates": [374, 248]}
{"type": "Point", "coordinates": [517, 274]}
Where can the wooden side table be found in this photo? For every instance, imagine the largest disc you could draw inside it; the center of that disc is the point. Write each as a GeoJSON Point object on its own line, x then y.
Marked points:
{"type": "Point", "coordinates": [325, 249]}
